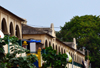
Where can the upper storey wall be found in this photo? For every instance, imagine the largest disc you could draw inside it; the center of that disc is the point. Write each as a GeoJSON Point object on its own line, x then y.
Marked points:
{"type": "Point", "coordinates": [10, 24]}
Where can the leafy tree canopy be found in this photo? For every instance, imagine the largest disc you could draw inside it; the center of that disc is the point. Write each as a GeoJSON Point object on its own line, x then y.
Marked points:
{"type": "Point", "coordinates": [86, 30]}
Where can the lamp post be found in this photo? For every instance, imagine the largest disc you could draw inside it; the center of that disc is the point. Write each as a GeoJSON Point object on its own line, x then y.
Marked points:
{"type": "Point", "coordinates": [69, 59]}
{"type": "Point", "coordinates": [72, 60]}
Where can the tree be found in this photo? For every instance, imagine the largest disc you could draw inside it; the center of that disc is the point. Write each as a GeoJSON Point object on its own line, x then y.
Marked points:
{"type": "Point", "coordinates": [52, 59]}
{"type": "Point", "coordinates": [10, 60]}
{"type": "Point", "coordinates": [86, 30]}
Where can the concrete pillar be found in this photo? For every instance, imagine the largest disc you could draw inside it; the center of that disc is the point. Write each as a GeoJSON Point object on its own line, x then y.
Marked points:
{"type": "Point", "coordinates": [88, 61]}
{"type": "Point", "coordinates": [7, 23]}
{"type": "Point", "coordinates": [74, 41]}
{"type": "Point", "coordinates": [14, 26]}
{"type": "Point", "coordinates": [0, 20]}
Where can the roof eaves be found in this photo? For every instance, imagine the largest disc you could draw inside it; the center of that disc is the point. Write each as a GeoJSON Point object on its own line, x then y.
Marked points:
{"type": "Point", "coordinates": [70, 46]}
{"type": "Point", "coordinates": [64, 43]}
{"type": "Point", "coordinates": [80, 52]}
{"type": "Point", "coordinates": [49, 35]}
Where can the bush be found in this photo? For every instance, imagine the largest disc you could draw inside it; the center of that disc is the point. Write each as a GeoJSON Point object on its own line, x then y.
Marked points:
{"type": "Point", "coordinates": [10, 60]}
{"type": "Point", "coordinates": [51, 59]}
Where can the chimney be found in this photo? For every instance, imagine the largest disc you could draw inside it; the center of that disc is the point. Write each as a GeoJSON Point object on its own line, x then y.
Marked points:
{"type": "Point", "coordinates": [74, 41]}
{"type": "Point", "coordinates": [53, 31]}
{"type": "Point", "coordinates": [83, 50]}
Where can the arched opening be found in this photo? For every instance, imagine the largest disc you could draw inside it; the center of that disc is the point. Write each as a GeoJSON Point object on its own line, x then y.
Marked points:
{"type": "Point", "coordinates": [46, 44]}
{"type": "Point", "coordinates": [75, 58]}
{"type": "Point", "coordinates": [53, 46]}
{"type": "Point", "coordinates": [4, 26]}
{"type": "Point", "coordinates": [49, 43]}
{"type": "Point", "coordinates": [11, 29]}
{"type": "Point", "coordinates": [62, 50]}
{"type": "Point", "coordinates": [59, 48]}
{"type": "Point", "coordinates": [17, 31]}
{"type": "Point", "coordinates": [80, 59]}
{"type": "Point", "coordinates": [56, 47]}
{"type": "Point", "coordinates": [69, 53]}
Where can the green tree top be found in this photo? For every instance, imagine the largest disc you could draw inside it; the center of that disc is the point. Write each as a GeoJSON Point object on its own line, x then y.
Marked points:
{"type": "Point", "coordinates": [86, 30]}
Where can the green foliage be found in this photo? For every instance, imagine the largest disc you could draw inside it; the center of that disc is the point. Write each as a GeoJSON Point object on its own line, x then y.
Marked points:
{"type": "Point", "coordinates": [10, 59]}
{"type": "Point", "coordinates": [86, 30]}
{"type": "Point", "coordinates": [53, 59]}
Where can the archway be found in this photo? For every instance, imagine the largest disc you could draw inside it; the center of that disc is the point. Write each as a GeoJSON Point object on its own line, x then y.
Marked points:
{"type": "Point", "coordinates": [62, 50]}
{"type": "Point", "coordinates": [4, 26]}
{"type": "Point", "coordinates": [59, 48]}
{"type": "Point", "coordinates": [75, 58]}
{"type": "Point", "coordinates": [46, 44]}
{"type": "Point", "coordinates": [17, 31]}
{"type": "Point", "coordinates": [49, 43]}
{"type": "Point", "coordinates": [69, 53]}
{"type": "Point", "coordinates": [56, 47]}
{"type": "Point", "coordinates": [11, 29]}
{"type": "Point", "coordinates": [80, 59]}
{"type": "Point", "coordinates": [53, 46]}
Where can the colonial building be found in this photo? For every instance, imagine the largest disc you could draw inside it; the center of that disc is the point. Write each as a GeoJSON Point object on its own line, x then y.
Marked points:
{"type": "Point", "coordinates": [10, 24]}
{"type": "Point", "coordinates": [48, 37]}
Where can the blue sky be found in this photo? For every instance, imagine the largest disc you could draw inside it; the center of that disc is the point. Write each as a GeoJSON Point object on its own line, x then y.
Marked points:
{"type": "Point", "coordinates": [44, 12]}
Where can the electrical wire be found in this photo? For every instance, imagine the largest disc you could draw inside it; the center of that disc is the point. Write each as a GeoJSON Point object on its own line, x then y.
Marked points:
{"type": "Point", "coordinates": [42, 26]}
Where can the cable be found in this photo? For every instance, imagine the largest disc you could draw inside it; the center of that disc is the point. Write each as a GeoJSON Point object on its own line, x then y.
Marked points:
{"type": "Point", "coordinates": [42, 26]}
